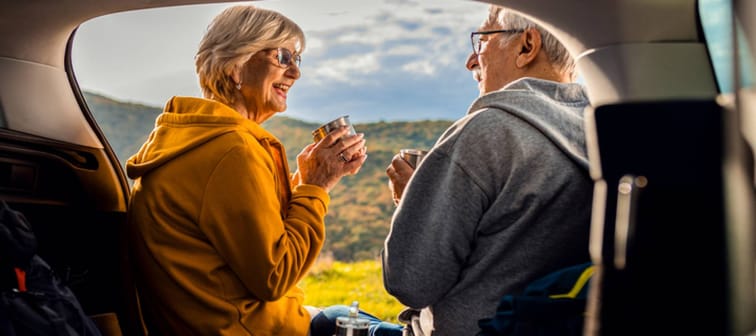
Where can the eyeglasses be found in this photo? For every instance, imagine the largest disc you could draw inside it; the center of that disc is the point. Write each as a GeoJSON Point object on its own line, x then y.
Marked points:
{"type": "Point", "coordinates": [475, 37]}
{"type": "Point", "coordinates": [286, 58]}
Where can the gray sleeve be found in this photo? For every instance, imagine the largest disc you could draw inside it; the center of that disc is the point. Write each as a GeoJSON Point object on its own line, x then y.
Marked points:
{"type": "Point", "coordinates": [433, 229]}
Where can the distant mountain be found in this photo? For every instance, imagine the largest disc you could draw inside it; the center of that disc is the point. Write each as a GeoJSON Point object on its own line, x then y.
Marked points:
{"type": "Point", "coordinates": [361, 206]}
{"type": "Point", "coordinates": [125, 125]}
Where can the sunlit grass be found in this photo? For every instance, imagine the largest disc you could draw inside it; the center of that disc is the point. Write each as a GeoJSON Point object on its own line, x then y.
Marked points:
{"type": "Point", "coordinates": [333, 282]}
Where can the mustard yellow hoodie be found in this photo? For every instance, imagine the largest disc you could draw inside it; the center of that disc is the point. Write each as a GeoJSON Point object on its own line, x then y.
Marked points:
{"type": "Point", "coordinates": [218, 236]}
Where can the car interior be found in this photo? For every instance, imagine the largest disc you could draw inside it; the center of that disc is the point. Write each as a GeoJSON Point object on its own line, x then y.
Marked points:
{"type": "Point", "coordinates": [672, 157]}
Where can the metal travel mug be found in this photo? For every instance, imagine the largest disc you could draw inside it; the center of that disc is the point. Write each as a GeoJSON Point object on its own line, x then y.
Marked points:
{"type": "Point", "coordinates": [326, 128]}
{"type": "Point", "coordinates": [413, 156]}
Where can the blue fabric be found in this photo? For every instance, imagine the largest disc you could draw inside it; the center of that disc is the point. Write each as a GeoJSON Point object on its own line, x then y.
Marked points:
{"type": "Point", "coordinates": [544, 308]}
{"type": "Point", "coordinates": [324, 323]}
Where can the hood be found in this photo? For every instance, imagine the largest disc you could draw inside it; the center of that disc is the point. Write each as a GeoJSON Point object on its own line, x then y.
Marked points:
{"type": "Point", "coordinates": [555, 109]}
{"type": "Point", "coordinates": [186, 123]}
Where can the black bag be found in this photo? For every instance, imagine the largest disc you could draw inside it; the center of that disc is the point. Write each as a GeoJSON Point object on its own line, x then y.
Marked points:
{"type": "Point", "coordinates": [33, 300]}
{"type": "Point", "coordinates": [552, 305]}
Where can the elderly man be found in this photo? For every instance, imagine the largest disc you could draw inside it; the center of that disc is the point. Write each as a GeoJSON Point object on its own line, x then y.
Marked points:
{"type": "Point", "coordinates": [504, 196]}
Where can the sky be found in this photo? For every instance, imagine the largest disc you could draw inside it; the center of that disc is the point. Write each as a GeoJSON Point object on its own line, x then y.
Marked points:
{"type": "Point", "coordinates": [378, 60]}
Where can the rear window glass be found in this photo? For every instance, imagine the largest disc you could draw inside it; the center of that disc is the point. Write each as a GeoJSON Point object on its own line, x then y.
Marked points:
{"type": "Point", "coordinates": [717, 23]}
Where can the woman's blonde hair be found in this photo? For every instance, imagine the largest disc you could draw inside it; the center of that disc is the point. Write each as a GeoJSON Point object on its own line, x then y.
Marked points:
{"type": "Point", "coordinates": [232, 38]}
{"type": "Point", "coordinates": [558, 55]}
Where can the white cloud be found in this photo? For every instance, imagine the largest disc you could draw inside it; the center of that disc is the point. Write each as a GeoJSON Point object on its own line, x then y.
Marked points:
{"type": "Point", "coordinates": [323, 15]}
{"type": "Point", "coordinates": [404, 50]}
{"type": "Point", "coordinates": [315, 45]}
{"type": "Point", "coordinates": [422, 67]}
{"type": "Point", "coordinates": [347, 69]}
{"type": "Point", "coordinates": [426, 35]}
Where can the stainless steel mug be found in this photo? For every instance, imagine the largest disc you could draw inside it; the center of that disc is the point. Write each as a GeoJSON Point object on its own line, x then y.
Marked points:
{"type": "Point", "coordinates": [328, 127]}
{"type": "Point", "coordinates": [413, 156]}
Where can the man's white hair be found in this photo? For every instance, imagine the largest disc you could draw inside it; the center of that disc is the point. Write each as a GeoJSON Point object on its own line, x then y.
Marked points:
{"type": "Point", "coordinates": [558, 55]}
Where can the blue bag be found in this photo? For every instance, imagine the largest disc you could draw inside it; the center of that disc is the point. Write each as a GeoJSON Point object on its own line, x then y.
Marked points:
{"type": "Point", "coordinates": [552, 305]}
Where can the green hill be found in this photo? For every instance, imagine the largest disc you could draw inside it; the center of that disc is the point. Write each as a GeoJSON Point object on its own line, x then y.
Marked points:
{"type": "Point", "coordinates": [361, 205]}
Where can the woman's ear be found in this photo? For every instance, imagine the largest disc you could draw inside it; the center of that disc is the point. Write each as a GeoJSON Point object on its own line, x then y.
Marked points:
{"type": "Point", "coordinates": [530, 46]}
{"type": "Point", "coordinates": [236, 74]}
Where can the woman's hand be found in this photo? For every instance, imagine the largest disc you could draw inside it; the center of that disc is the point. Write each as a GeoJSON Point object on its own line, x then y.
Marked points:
{"type": "Point", "coordinates": [325, 162]}
{"type": "Point", "coordinates": [399, 173]}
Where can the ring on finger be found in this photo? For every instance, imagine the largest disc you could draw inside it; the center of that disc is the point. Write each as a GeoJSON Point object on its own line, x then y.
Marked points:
{"type": "Point", "coordinates": [342, 157]}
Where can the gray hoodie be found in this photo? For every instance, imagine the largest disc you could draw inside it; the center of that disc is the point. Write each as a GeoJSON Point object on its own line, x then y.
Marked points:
{"type": "Point", "coordinates": [503, 198]}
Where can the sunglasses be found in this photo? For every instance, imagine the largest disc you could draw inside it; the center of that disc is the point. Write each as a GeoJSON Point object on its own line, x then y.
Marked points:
{"type": "Point", "coordinates": [286, 58]}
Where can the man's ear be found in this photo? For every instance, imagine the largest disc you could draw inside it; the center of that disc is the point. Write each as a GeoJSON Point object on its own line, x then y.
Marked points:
{"type": "Point", "coordinates": [530, 46]}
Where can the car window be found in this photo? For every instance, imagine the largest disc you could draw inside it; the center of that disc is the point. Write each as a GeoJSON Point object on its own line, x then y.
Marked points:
{"type": "Point", "coordinates": [717, 23]}
{"type": "Point", "coordinates": [397, 68]}
{"type": "Point", "coordinates": [725, 38]}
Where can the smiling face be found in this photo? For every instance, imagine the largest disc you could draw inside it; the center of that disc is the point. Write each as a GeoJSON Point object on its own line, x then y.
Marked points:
{"type": "Point", "coordinates": [266, 83]}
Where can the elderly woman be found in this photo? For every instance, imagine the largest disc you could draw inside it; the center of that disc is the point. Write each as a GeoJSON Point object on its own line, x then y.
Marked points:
{"type": "Point", "coordinates": [221, 232]}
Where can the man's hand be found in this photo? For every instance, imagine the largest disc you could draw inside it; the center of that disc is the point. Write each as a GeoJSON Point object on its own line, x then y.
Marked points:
{"type": "Point", "coordinates": [399, 173]}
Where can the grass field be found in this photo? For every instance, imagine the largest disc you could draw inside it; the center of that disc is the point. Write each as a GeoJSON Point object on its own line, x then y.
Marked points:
{"type": "Point", "coordinates": [333, 282]}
